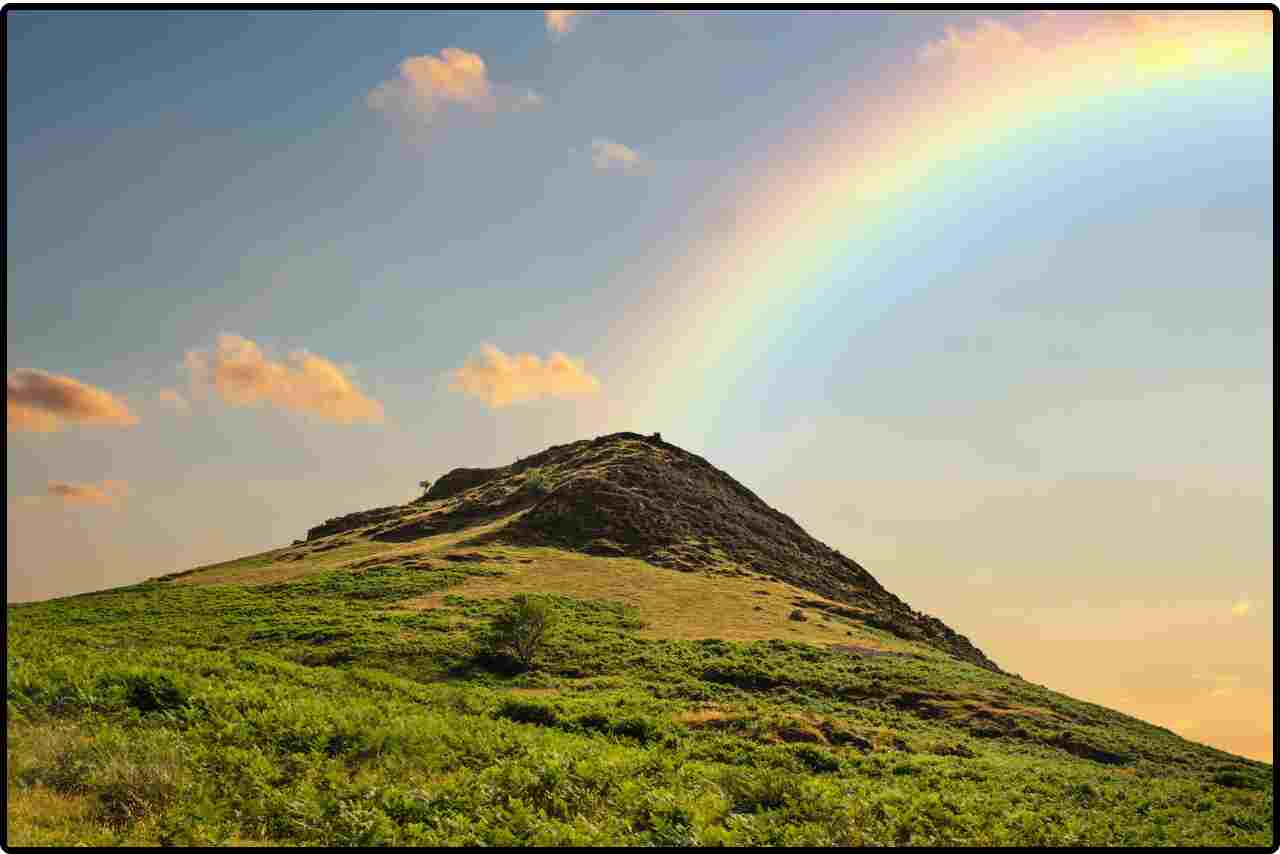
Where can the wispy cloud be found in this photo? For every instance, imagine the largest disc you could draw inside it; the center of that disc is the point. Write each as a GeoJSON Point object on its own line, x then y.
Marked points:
{"type": "Point", "coordinates": [987, 38]}
{"type": "Point", "coordinates": [107, 492]}
{"type": "Point", "coordinates": [174, 399]}
{"type": "Point", "coordinates": [500, 380]}
{"type": "Point", "coordinates": [242, 375]}
{"type": "Point", "coordinates": [1177, 37]}
{"type": "Point", "coordinates": [459, 78]}
{"type": "Point", "coordinates": [40, 402]}
{"type": "Point", "coordinates": [607, 156]}
{"type": "Point", "coordinates": [560, 22]}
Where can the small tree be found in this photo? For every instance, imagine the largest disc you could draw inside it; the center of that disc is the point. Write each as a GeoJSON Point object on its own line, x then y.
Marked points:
{"type": "Point", "coordinates": [425, 485]}
{"type": "Point", "coordinates": [522, 627]}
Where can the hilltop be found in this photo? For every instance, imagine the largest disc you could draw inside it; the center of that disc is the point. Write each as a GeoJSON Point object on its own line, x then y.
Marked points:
{"type": "Point", "coordinates": [637, 496]}
{"type": "Point", "coordinates": [716, 676]}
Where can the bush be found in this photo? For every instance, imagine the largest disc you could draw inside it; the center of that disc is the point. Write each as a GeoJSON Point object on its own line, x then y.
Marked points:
{"type": "Point", "coordinates": [522, 628]}
{"type": "Point", "coordinates": [536, 481]}
{"type": "Point", "coordinates": [147, 690]}
{"type": "Point", "coordinates": [528, 712]}
{"type": "Point", "coordinates": [1233, 779]}
{"type": "Point", "coordinates": [816, 759]}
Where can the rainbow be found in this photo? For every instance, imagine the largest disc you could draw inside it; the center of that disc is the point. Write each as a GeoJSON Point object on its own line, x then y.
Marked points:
{"type": "Point", "coordinates": [961, 107]}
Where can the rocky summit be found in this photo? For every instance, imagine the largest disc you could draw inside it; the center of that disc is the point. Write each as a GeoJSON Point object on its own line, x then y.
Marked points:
{"type": "Point", "coordinates": [626, 494]}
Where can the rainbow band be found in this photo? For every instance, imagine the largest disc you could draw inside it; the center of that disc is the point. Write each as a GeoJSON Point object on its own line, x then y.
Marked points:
{"type": "Point", "coordinates": [970, 100]}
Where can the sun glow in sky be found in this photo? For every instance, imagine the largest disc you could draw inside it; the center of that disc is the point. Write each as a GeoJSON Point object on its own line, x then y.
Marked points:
{"type": "Point", "coordinates": [982, 300]}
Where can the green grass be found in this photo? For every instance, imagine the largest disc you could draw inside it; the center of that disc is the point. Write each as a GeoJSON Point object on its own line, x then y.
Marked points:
{"type": "Point", "coordinates": [317, 711]}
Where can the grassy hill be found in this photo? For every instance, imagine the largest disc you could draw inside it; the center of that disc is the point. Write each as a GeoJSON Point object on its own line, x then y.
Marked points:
{"type": "Point", "coordinates": [714, 677]}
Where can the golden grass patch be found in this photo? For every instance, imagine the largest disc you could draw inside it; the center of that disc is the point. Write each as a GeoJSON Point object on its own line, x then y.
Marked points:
{"type": "Point", "coordinates": [37, 815]}
{"type": "Point", "coordinates": [672, 604]}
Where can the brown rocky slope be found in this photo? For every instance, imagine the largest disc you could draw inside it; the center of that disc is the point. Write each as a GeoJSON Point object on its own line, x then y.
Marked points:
{"type": "Point", "coordinates": [634, 495]}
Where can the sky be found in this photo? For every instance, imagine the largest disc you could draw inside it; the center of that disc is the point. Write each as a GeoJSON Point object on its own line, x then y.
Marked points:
{"type": "Point", "coordinates": [981, 300]}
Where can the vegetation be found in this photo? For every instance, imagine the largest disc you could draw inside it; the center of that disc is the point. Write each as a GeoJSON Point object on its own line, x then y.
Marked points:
{"type": "Point", "coordinates": [329, 706]}
{"type": "Point", "coordinates": [521, 628]}
{"type": "Point", "coordinates": [537, 481]}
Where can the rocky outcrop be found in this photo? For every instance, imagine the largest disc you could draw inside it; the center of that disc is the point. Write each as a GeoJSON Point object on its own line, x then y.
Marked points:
{"type": "Point", "coordinates": [459, 480]}
{"type": "Point", "coordinates": [351, 521]}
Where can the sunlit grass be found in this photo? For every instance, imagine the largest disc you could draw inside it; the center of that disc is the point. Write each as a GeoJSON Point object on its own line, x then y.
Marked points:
{"type": "Point", "coordinates": [353, 701]}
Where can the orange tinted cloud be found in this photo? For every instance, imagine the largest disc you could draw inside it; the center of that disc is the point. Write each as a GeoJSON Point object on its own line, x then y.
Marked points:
{"type": "Point", "coordinates": [456, 76]}
{"type": "Point", "coordinates": [107, 492]}
{"type": "Point", "coordinates": [39, 402]}
{"type": "Point", "coordinates": [426, 82]}
{"type": "Point", "coordinates": [500, 380]}
{"type": "Point", "coordinates": [242, 376]}
{"type": "Point", "coordinates": [560, 22]}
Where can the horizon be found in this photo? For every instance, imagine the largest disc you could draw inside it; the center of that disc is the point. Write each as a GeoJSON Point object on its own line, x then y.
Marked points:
{"type": "Point", "coordinates": [1002, 338]}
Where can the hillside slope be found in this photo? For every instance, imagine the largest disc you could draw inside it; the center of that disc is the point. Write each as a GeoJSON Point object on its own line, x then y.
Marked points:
{"type": "Point", "coordinates": [715, 677]}
{"type": "Point", "coordinates": [629, 495]}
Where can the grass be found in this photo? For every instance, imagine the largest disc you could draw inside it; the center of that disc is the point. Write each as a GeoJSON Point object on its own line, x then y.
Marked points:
{"type": "Point", "coordinates": [672, 605]}
{"type": "Point", "coordinates": [349, 700]}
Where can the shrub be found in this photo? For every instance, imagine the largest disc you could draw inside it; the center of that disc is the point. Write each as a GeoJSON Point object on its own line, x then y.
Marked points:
{"type": "Point", "coordinates": [521, 629]}
{"type": "Point", "coordinates": [147, 690]}
{"type": "Point", "coordinates": [1233, 779]}
{"type": "Point", "coordinates": [536, 481]}
{"type": "Point", "coordinates": [528, 712]}
{"type": "Point", "coordinates": [815, 759]}
{"type": "Point", "coordinates": [798, 616]}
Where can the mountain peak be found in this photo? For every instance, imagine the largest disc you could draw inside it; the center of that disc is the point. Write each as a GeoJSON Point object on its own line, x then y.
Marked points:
{"type": "Point", "coordinates": [627, 494]}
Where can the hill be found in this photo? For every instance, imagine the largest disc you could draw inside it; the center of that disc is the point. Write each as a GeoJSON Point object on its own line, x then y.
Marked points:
{"type": "Point", "coordinates": [715, 676]}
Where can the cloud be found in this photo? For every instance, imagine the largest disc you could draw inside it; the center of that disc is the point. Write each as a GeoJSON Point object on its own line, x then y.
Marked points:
{"type": "Point", "coordinates": [500, 380]}
{"type": "Point", "coordinates": [243, 376]}
{"type": "Point", "coordinates": [1148, 41]}
{"type": "Point", "coordinates": [607, 155]}
{"type": "Point", "coordinates": [1241, 608]}
{"type": "Point", "coordinates": [560, 22]}
{"type": "Point", "coordinates": [427, 84]}
{"type": "Point", "coordinates": [107, 492]}
{"type": "Point", "coordinates": [174, 400]}
{"type": "Point", "coordinates": [988, 38]}
{"type": "Point", "coordinates": [40, 402]}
